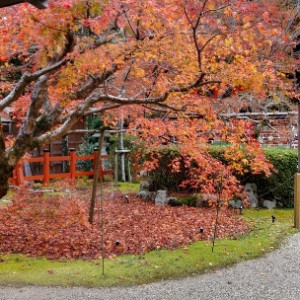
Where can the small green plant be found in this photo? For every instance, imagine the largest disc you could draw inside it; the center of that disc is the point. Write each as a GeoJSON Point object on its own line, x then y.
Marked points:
{"type": "Point", "coordinates": [128, 188]}
{"type": "Point", "coordinates": [86, 148]}
{"type": "Point", "coordinates": [189, 200]}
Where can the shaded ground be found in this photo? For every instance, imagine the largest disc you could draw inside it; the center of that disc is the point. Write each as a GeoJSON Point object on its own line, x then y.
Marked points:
{"type": "Point", "coordinates": [55, 225]}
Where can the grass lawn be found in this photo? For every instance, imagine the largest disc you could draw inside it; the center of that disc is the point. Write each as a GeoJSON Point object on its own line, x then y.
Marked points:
{"type": "Point", "coordinates": [155, 265]}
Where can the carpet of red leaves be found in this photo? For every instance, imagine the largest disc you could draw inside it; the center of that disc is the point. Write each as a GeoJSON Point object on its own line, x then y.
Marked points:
{"type": "Point", "coordinates": [57, 226]}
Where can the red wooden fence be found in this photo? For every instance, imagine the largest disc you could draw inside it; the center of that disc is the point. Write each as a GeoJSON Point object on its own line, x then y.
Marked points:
{"type": "Point", "coordinates": [19, 177]}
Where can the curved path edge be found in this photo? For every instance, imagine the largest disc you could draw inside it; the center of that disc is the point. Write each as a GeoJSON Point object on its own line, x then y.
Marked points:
{"type": "Point", "coordinates": [273, 276]}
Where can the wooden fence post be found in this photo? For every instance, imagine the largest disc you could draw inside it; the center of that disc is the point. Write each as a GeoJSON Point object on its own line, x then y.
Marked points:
{"type": "Point", "coordinates": [14, 177]}
{"type": "Point", "coordinates": [72, 165]}
{"type": "Point", "coordinates": [19, 174]}
{"type": "Point", "coordinates": [100, 173]}
{"type": "Point", "coordinates": [46, 170]}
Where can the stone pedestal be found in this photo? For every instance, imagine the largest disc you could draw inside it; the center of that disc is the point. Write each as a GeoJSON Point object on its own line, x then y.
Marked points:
{"type": "Point", "coordinates": [161, 197]}
{"type": "Point", "coordinates": [251, 189]}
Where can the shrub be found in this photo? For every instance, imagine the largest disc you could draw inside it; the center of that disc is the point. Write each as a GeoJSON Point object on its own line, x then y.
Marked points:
{"type": "Point", "coordinates": [280, 185]}
{"type": "Point", "coordinates": [175, 169]}
{"type": "Point", "coordinates": [163, 177]}
{"type": "Point", "coordinates": [86, 148]}
{"type": "Point", "coordinates": [89, 143]}
{"type": "Point", "coordinates": [188, 200]}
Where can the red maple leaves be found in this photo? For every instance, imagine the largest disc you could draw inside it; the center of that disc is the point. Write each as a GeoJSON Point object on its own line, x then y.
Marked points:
{"type": "Point", "coordinates": [57, 227]}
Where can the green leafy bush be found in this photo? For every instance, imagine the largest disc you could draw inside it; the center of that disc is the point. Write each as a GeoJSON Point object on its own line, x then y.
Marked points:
{"type": "Point", "coordinates": [89, 143]}
{"type": "Point", "coordinates": [188, 200]}
{"type": "Point", "coordinates": [280, 185]}
{"type": "Point", "coordinates": [86, 148]}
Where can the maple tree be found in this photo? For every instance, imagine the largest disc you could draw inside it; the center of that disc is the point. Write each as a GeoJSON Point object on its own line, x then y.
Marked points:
{"type": "Point", "coordinates": [86, 57]}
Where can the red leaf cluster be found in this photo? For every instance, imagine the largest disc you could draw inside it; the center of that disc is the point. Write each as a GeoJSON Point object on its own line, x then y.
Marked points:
{"type": "Point", "coordinates": [57, 227]}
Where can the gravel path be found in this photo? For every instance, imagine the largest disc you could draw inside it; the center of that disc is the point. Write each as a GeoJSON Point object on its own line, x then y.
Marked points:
{"type": "Point", "coordinates": [274, 276]}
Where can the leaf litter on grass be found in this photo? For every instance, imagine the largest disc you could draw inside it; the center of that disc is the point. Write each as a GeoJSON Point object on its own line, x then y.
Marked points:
{"type": "Point", "coordinates": [57, 227]}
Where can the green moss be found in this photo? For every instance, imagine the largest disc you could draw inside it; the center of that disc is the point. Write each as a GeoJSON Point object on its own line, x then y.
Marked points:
{"type": "Point", "coordinates": [128, 188]}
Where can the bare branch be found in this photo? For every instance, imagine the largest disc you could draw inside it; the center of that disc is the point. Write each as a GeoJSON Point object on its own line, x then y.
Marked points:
{"type": "Point", "coordinates": [200, 14]}
{"type": "Point", "coordinates": [94, 82]}
{"type": "Point", "coordinates": [101, 110]}
{"type": "Point", "coordinates": [208, 41]}
{"type": "Point", "coordinates": [26, 79]}
{"type": "Point", "coordinates": [165, 106]}
{"type": "Point", "coordinates": [99, 96]}
{"type": "Point", "coordinates": [126, 76]}
{"type": "Point", "coordinates": [156, 72]}
{"type": "Point", "coordinates": [136, 33]}
{"type": "Point", "coordinates": [69, 122]}
{"type": "Point", "coordinates": [151, 100]}
{"type": "Point", "coordinates": [69, 45]}
{"type": "Point", "coordinates": [187, 17]}
{"type": "Point", "coordinates": [35, 106]}
{"type": "Point", "coordinates": [216, 9]}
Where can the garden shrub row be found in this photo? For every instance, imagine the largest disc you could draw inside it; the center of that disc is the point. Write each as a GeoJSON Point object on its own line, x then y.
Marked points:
{"type": "Point", "coordinates": [280, 185]}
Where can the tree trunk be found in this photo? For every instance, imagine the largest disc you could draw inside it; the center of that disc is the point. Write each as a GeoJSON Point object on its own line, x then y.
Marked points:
{"type": "Point", "coordinates": [96, 172]}
{"type": "Point", "coordinates": [5, 169]}
{"type": "Point", "coordinates": [5, 173]}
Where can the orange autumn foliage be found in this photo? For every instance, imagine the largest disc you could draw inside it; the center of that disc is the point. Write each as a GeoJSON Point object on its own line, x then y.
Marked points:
{"type": "Point", "coordinates": [100, 57]}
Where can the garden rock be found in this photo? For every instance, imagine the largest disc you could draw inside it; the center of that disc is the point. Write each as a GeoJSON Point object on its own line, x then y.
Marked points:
{"type": "Point", "coordinates": [269, 204]}
{"type": "Point", "coordinates": [235, 203]}
{"type": "Point", "coordinates": [173, 201]}
{"type": "Point", "coordinates": [251, 189]}
{"type": "Point", "coordinates": [146, 195]}
{"type": "Point", "coordinates": [161, 197]}
{"type": "Point", "coordinates": [144, 186]}
{"type": "Point", "coordinates": [204, 199]}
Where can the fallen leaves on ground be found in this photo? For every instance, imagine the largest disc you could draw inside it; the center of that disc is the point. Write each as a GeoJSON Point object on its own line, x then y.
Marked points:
{"type": "Point", "coordinates": [57, 227]}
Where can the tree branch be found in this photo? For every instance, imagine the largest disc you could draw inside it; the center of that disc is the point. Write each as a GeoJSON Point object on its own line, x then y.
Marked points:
{"type": "Point", "coordinates": [35, 106]}
{"type": "Point", "coordinates": [94, 82]}
{"type": "Point", "coordinates": [208, 41]}
{"type": "Point", "coordinates": [26, 79]}
{"type": "Point", "coordinates": [101, 110]}
{"type": "Point", "coordinates": [151, 100]}
{"type": "Point", "coordinates": [216, 9]}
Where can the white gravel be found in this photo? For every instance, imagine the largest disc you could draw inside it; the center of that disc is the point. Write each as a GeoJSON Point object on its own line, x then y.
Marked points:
{"type": "Point", "coordinates": [274, 276]}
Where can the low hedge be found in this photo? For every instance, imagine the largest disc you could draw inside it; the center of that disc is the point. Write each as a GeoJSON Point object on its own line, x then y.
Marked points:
{"type": "Point", "coordinates": [280, 185]}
